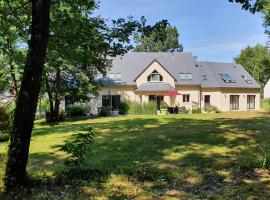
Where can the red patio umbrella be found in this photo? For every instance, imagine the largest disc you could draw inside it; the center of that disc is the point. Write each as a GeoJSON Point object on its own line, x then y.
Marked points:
{"type": "Point", "coordinates": [173, 93]}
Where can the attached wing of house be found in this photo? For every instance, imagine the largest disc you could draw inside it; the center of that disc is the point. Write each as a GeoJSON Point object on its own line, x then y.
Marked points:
{"type": "Point", "coordinates": [179, 80]}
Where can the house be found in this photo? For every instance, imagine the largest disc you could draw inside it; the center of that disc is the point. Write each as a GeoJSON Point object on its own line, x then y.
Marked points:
{"type": "Point", "coordinates": [179, 80]}
{"type": "Point", "coordinates": [6, 97]}
{"type": "Point", "coordinates": [266, 91]}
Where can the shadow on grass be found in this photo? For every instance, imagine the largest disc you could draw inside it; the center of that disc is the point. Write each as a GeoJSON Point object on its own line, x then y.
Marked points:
{"type": "Point", "coordinates": [159, 158]}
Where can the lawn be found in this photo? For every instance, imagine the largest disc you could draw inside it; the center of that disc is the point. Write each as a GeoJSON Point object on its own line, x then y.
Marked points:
{"type": "Point", "coordinates": [199, 156]}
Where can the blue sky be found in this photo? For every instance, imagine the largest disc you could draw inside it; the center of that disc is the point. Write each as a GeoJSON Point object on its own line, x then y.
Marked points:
{"type": "Point", "coordinates": [213, 30]}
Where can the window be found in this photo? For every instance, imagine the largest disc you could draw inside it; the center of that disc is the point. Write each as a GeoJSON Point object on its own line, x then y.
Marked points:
{"type": "Point", "coordinates": [227, 78]}
{"type": "Point", "coordinates": [234, 102]}
{"type": "Point", "coordinates": [251, 101]}
{"type": "Point", "coordinates": [182, 76]}
{"type": "Point", "coordinates": [115, 76]}
{"type": "Point", "coordinates": [111, 101]}
{"type": "Point", "coordinates": [189, 76]}
{"type": "Point", "coordinates": [186, 98]}
{"type": "Point", "coordinates": [154, 77]}
{"type": "Point", "coordinates": [247, 80]}
{"type": "Point", "coordinates": [185, 76]}
{"type": "Point", "coordinates": [204, 77]}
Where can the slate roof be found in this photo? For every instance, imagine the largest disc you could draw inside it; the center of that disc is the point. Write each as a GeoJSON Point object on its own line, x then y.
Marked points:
{"type": "Point", "coordinates": [236, 71]}
{"type": "Point", "coordinates": [155, 87]}
{"type": "Point", "coordinates": [132, 64]}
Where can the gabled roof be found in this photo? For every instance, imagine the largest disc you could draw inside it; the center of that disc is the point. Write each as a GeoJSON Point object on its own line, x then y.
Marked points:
{"type": "Point", "coordinates": [155, 60]}
{"type": "Point", "coordinates": [236, 71]}
{"type": "Point", "coordinates": [132, 64]}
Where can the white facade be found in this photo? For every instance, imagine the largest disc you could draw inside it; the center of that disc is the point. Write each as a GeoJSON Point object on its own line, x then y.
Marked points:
{"type": "Point", "coordinates": [266, 92]}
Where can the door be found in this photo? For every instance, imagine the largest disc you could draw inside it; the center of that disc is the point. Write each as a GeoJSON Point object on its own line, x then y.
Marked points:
{"type": "Point", "coordinates": [234, 102]}
{"type": "Point", "coordinates": [251, 101]}
{"type": "Point", "coordinates": [156, 98]}
{"type": "Point", "coordinates": [206, 101]}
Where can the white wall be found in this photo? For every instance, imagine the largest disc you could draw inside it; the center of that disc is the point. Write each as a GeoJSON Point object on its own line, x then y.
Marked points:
{"type": "Point", "coordinates": [266, 92]}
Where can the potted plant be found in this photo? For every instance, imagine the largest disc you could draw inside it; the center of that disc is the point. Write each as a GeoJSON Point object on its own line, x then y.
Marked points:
{"type": "Point", "coordinates": [163, 108]}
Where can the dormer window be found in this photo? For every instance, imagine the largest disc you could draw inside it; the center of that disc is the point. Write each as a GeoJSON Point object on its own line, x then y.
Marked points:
{"type": "Point", "coordinates": [115, 76]}
{"type": "Point", "coordinates": [185, 76]}
{"type": "Point", "coordinates": [154, 77]}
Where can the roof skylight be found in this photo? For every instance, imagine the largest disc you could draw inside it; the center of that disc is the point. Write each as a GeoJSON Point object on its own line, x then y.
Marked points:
{"type": "Point", "coordinates": [227, 78]}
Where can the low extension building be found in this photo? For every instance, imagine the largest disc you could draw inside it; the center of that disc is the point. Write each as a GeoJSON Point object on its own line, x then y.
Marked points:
{"type": "Point", "coordinates": [179, 80]}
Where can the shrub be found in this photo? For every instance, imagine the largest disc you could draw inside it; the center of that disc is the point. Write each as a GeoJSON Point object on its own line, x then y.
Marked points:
{"type": "Point", "coordinates": [104, 112]}
{"type": "Point", "coordinates": [163, 105]}
{"type": "Point", "coordinates": [3, 119]}
{"type": "Point", "coordinates": [213, 109]}
{"type": "Point", "coordinates": [266, 104]}
{"type": "Point", "coordinates": [76, 110]}
{"type": "Point", "coordinates": [149, 108]}
{"type": "Point", "coordinates": [78, 146]}
{"type": "Point", "coordinates": [4, 137]}
{"type": "Point", "coordinates": [123, 108]}
{"type": "Point", "coordinates": [186, 111]}
{"type": "Point", "coordinates": [196, 110]}
{"type": "Point", "coordinates": [6, 117]}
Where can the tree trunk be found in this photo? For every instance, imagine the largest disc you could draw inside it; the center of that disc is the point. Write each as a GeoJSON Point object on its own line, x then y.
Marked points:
{"type": "Point", "coordinates": [27, 100]}
{"type": "Point", "coordinates": [48, 89]}
{"type": "Point", "coordinates": [57, 96]}
{"type": "Point", "coordinates": [12, 73]}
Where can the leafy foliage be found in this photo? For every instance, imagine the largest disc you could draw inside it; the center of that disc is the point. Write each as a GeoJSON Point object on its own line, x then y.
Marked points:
{"type": "Point", "coordinates": [104, 111]}
{"type": "Point", "coordinates": [78, 146]}
{"type": "Point", "coordinates": [76, 110]}
{"type": "Point", "coordinates": [256, 60]}
{"type": "Point", "coordinates": [162, 37]}
{"type": "Point", "coordinates": [251, 5]}
{"type": "Point", "coordinates": [136, 108]}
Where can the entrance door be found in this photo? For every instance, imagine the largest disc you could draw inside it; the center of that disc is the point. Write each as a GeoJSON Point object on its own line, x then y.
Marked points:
{"type": "Point", "coordinates": [157, 99]}
{"type": "Point", "coordinates": [234, 102]}
{"type": "Point", "coordinates": [206, 101]}
{"type": "Point", "coordinates": [251, 101]}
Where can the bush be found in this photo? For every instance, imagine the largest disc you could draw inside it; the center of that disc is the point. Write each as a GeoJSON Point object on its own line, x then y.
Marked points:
{"type": "Point", "coordinates": [104, 112]}
{"type": "Point", "coordinates": [266, 104]}
{"type": "Point", "coordinates": [213, 109]}
{"type": "Point", "coordinates": [3, 119]}
{"type": "Point", "coordinates": [123, 108]}
{"type": "Point", "coordinates": [196, 110]}
{"type": "Point", "coordinates": [186, 111]}
{"type": "Point", "coordinates": [76, 110]}
{"type": "Point", "coordinates": [163, 105]}
{"type": "Point", "coordinates": [149, 108]}
{"type": "Point", "coordinates": [6, 117]}
{"type": "Point", "coordinates": [78, 146]}
{"type": "Point", "coordinates": [4, 137]}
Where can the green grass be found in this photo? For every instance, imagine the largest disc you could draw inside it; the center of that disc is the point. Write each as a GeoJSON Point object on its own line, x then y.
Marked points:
{"type": "Point", "coordinates": [200, 156]}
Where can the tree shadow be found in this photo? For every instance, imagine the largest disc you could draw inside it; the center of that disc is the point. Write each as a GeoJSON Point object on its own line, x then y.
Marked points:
{"type": "Point", "coordinates": [166, 157]}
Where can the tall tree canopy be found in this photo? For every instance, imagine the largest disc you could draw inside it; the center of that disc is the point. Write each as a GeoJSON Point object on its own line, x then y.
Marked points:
{"type": "Point", "coordinates": [78, 47]}
{"type": "Point", "coordinates": [256, 60]}
{"type": "Point", "coordinates": [162, 37]}
{"type": "Point", "coordinates": [251, 5]}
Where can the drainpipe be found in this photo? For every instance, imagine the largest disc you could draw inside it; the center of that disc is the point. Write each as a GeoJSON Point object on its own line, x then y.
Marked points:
{"type": "Point", "coordinates": [200, 97]}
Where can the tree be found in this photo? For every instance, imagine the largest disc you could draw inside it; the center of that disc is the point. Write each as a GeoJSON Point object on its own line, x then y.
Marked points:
{"type": "Point", "coordinates": [162, 37]}
{"type": "Point", "coordinates": [251, 5]}
{"type": "Point", "coordinates": [256, 60]}
{"type": "Point", "coordinates": [26, 104]}
{"type": "Point", "coordinates": [12, 32]}
{"type": "Point", "coordinates": [79, 48]}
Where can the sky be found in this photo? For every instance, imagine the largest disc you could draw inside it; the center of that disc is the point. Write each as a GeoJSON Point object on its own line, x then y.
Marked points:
{"type": "Point", "coordinates": [213, 30]}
